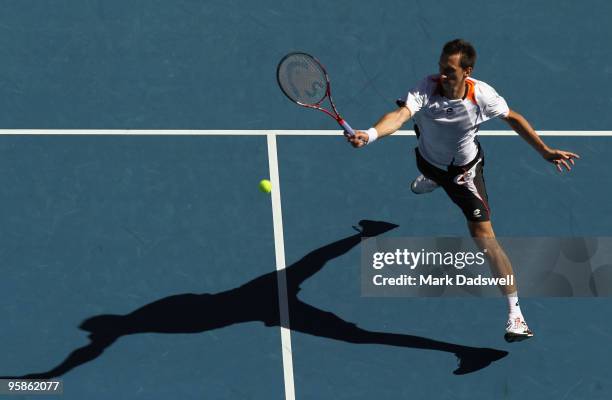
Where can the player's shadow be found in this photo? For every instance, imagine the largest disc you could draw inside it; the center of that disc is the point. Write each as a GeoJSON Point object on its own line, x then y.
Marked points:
{"type": "Point", "coordinates": [257, 300]}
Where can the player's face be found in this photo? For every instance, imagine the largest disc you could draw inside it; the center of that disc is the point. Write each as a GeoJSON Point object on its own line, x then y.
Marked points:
{"type": "Point", "coordinates": [452, 76]}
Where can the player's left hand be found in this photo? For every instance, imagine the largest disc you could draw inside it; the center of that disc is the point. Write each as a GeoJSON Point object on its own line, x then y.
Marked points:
{"type": "Point", "coordinates": [560, 158]}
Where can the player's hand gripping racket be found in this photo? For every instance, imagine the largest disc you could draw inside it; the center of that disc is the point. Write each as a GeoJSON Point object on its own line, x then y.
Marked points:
{"type": "Point", "coordinates": [304, 80]}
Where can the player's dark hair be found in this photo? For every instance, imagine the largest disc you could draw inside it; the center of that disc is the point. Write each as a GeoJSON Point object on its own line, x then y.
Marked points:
{"type": "Point", "coordinates": [463, 47]}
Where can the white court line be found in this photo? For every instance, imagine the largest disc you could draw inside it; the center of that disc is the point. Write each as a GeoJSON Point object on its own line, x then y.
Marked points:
{"type": "Point", "coordinates": [279, 248]}
{"type": "Point", "coordinates": [221, 132]}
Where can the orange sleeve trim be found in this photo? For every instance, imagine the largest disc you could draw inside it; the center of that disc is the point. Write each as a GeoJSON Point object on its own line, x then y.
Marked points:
{"type": "Point", "coordinates": [471, 95]}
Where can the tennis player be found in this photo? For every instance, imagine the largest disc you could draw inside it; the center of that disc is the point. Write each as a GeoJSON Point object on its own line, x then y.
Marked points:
{"type": "Point", "coordinates": [448, 109]}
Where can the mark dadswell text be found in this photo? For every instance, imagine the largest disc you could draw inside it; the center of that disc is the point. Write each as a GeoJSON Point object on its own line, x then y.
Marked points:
{"type": "Point", "coordinates": [446, 280]}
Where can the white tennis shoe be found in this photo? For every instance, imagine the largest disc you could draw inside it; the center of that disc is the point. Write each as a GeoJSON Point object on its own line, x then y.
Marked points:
{"type": "Point", "coordinates": [517, 329]}
{"type": "Point", "coordinates": [422, 185]}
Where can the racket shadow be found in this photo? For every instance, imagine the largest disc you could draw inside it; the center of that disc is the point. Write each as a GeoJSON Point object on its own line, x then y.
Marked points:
{"type": "Point", "coordinates": [257, 300]}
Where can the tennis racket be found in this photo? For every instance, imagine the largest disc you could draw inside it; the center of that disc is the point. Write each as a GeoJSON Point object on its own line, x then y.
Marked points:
{"type": "Point", "coordinates": [303, 79]}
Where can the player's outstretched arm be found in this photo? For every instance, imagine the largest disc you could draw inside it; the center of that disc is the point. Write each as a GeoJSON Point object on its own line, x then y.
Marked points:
{"type": "Point", "coordinates": [388, 124]}
{"type": "Point", "coordinates": [560, 158]}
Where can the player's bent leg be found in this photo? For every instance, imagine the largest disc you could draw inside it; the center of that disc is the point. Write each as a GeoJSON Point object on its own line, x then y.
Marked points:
{"type": "Point", "coordinates": [430, 176]}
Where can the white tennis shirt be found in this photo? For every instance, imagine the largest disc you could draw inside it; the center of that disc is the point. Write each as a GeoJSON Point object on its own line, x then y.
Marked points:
{"type": "Point", "coordinates": [448, 126]}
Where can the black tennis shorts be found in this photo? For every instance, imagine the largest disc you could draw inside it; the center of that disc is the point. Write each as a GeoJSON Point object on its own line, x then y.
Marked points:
{"type": "Point", "coordinates": [464, 185]}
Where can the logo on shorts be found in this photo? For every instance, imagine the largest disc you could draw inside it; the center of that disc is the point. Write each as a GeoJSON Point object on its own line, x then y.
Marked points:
{"type": "Point", "coordinates": [477, 212]}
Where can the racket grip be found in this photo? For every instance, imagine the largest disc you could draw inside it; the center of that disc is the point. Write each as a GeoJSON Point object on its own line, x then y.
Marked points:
{"type": "Point", "coordinates": [348, 131]}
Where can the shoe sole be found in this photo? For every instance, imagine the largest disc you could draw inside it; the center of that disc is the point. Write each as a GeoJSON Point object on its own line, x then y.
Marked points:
{"type": "Point", "coordinates": [428, 191]}
{"type": "Point", "coordinates": [517, 337]}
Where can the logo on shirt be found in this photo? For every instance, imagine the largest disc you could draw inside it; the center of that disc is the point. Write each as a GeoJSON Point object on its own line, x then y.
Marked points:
{"type": "Point", "coordinates": [477, 212]}
{"type": "Point", "coordinates": [449, 110]}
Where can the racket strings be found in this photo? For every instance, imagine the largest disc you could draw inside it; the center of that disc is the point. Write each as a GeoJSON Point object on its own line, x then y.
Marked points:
{"type": "Point", "coordinates": [302, 79]}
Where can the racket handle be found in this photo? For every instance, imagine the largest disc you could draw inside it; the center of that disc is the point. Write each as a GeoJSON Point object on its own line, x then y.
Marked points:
{"type": "Point", "coordinates": [348, 131]}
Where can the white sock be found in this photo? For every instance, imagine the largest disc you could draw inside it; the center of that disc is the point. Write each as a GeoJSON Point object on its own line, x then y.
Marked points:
{"type": "Point", "coordinates": [513, 305]}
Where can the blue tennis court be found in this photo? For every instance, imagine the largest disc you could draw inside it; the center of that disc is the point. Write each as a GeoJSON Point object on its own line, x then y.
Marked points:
{"type": "Point", "coordinates": [140, 259]}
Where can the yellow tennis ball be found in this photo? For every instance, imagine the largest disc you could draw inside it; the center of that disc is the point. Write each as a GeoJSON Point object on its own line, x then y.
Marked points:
{"type": "Point", "coordinates": [265, 186]}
